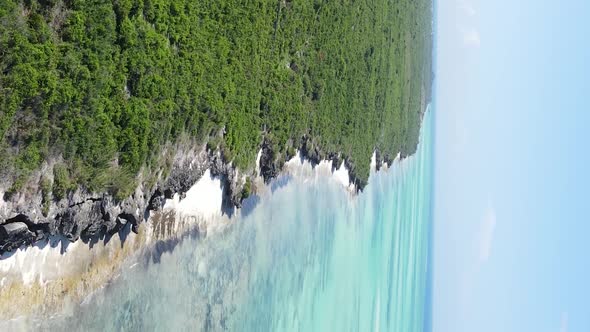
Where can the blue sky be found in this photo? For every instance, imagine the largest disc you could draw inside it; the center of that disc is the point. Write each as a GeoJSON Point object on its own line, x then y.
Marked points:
{"type": "Point", "coordinates": [512, 225]}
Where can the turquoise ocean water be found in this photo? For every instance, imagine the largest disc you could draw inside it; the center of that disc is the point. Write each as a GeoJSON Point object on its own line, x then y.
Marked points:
{"type": "Point", "coordinates": [309, 257]}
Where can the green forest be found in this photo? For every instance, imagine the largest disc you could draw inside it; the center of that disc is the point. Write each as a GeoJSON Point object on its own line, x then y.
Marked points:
{"type": "Point", "coordinates": [103, 86]}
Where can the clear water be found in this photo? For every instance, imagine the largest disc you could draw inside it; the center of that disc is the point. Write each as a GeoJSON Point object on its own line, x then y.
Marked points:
{"type": "Point", "coordinates": [307, 258]}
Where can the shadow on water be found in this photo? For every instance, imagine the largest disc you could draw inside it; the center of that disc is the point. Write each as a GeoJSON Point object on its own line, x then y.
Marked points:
{"type": "Point", "coordinates": [280, 182]}
{"type": "Point", "coordinates": [227, 206]}
{"type": "Point", "coordinates": [161, 247]}
{"type": "Point", "coordinates": [249, 204]}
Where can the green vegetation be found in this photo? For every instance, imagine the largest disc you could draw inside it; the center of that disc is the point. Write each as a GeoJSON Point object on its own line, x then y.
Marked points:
{"type": "Point", "coordinates": [61, 182]}
{"type": "Point", "coordinates": [45, 186]}
{"type": "Point", "coordinates": [247, 189]}
{"type": "Point", "coordinates": [106, 84]}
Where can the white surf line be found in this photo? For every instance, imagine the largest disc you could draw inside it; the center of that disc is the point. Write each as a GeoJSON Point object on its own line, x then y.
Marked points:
{"type": "Point", "coordinates": [258, 156]}
{"type": "Point", "coordinates": [302, 169]}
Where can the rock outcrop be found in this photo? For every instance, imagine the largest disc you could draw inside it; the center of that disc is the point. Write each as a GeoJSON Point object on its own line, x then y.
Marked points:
{"type": "Point", "coordinates": [14, 235]}
{"type": "Point", "coordinates": [87, 216]}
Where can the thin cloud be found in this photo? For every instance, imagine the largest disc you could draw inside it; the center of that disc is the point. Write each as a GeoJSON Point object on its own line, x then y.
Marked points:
{"type": "Point", "coordinates": [467, 8]}
{"type": "Point", "coordinates": [471, 37]}
{"type": "Point", "coordinates": [467, 23]}
{"type": "Point", "coordinates": [486, 235]}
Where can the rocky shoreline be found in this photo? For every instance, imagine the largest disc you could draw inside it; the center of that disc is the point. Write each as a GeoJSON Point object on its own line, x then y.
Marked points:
{"type": "Point", "coordinates": [88, 217]}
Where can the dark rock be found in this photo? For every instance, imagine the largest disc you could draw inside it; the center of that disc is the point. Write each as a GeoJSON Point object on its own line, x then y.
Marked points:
{"type": "Point", "coordinates": [14, 235]}
{"type": "Point", "coordinates": [387, 159]}
{"type": "Point", "coordinates": [310, 151]}
{"type": "Point", "coordinates": [378, 160]}
{"type": "Point", "coordinates": [156, 201]}
{"type": "Point", "coordinates": [168, 193]}
{"type": "Point", "coordinates": [357, 181]}
{"type": "Point", "coordinates": [294, 67]}
{"type": "Point", "coordinates": [19, 218]}
{"type": "Point", "coordinates": [66, 223]}
{"type": "Point", "coordinates": [13, 229]}
{"type": "Point", "coordinates": [268, 168]}
{"type": "Point", "coordinates": [336, 160]}
{"type": "Point", "coordinates": [44, 226]}
{"type": "Point", "coordinates": [127, 218]}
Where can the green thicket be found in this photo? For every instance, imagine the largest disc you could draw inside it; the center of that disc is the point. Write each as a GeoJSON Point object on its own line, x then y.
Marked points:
{"type": "Point", "coordinates": [106, 84]}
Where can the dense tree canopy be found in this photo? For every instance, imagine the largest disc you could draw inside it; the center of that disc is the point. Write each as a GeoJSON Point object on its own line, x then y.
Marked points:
{"type": "Point", "coordinates": [105, 84]}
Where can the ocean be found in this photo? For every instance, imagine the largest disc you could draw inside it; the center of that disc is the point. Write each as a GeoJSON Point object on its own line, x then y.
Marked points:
{"type": "Point", "coordinates": [308, 257]}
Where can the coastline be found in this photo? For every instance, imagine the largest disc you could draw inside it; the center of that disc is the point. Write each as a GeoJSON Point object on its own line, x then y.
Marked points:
{"type": "Point", "coordinates": [51, 275]}
{"type": "Point", "coordinates": [28, 218]}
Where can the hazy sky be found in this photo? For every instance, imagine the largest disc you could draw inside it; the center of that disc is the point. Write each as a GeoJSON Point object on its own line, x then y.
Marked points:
{"type": "Point", "coordinates": [512, 225]}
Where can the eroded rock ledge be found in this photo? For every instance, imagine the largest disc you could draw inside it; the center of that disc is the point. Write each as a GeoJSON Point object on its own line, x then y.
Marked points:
{"type": "Point", "coordinates": [86, 216]}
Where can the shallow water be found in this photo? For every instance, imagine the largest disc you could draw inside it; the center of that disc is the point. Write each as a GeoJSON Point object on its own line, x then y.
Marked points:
{"type": "Point", "coordinates": [308, 257]}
